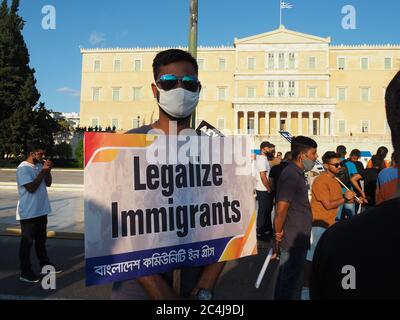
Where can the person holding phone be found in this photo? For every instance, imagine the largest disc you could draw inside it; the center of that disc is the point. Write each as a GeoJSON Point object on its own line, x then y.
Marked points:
{"type": "Point", "coordinates": [33, 178]}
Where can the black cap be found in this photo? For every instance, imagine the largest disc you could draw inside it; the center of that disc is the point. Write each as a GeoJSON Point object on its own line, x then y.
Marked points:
{"type": "Point", "coordinates": [266, 144]}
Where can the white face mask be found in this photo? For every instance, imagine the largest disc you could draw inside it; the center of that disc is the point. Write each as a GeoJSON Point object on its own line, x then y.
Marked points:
{"type": "Point", "coordinates": [178, 103]}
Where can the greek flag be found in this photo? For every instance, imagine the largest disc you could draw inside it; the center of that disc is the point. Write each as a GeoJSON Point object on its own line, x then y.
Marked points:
{"type": "Point", "coordinates": [286, 5]}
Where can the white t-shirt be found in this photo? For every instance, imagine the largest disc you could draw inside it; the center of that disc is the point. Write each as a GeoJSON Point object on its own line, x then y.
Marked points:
{"type": "Point", "coordinates": [262, 164]}
{"type": "Point", "coordinates": [31, 205]}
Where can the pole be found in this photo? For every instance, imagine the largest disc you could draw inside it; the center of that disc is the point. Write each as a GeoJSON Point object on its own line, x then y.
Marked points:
{"type": "Point", "coordinates": [263, 269]}
{"type": "Point", "coordinates": [193, 27]}
{"type": "Point", "coordinates": [280, 15]}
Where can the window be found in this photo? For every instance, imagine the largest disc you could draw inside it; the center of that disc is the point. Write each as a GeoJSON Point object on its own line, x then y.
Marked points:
{"type": "Point", "coordinates": [388, 63]}
{"type": "Point", "coordinates": [292, 61]}
{"type": "Point", "coordinates": [221, 123]}
{"type": "Point", "coordinates": [251, 92]}
{"type": "Point", "coordinates": [222, 64]}
{"type": "Point", "coordinates": [250, 126]}
{"type": "Point", "coordinates": [271, 89]}
{"type": "Point", "coordinates": [341, 94]}
{"type": "Point", "coordinates": [251, 63]}
{"type": "Point", "coordinates": [271, 61]}
{"type": "Point", "coordinates": [135, 123]}
{"type": "Point", "coordinates": [312, 92]}
{"type": "Point", "coordinates": [116, 94]}
{"type": "Point", "coordinates": [281, 61]}
{"type": "Point", "coordinates": [312, 62]}
{"type": "Point", "coordinates": [95, 94]}
{"type": "Point", "coordinates": [114, 123]}
{"type": "Point", "coordinates": [364, 63]}
{"type": "Point", "coordinates": [364, 126]}
{"type": "Point", "coordinates": [136, 93]}
{"type": "Point", "coordinates": [117, 65]}
{"type": "Point", "coordinates": [341, 63]}
{"type": "Point", "coordinates": [97, 66]}
{"type": "Point", "coordinates": [137, 65]}
{"type": "Point", "coordinates": [200, 62]}
{"type": "Point", "coordinates": [281, 89]}
{"type": "Point", "coordinates": [342, 126]}
{"type": "Point", "coordinates": [292, 89]}
{"type": "Point", "coordinates": [365, 94]}
{"type": "Point", "coordinates": [222, 93]}
{"type": "Point", "coordinates": [95, 123]}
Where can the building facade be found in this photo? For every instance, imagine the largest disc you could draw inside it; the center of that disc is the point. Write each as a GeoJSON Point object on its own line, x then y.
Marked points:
{"type": "Point", "coordinates": [279, 80]}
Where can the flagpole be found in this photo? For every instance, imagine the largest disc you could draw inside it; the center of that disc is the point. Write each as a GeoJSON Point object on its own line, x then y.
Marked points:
{"type": "Point", "coordinates": [280, 16]}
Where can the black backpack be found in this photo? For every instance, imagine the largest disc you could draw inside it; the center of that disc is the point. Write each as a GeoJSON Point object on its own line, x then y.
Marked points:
{"type": "Point", "coordinates": [343, 175]}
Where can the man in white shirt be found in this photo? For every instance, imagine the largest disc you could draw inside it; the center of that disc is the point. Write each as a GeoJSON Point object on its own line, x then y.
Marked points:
{"type": "Point", "coordinates": [264, 192]}
{"type": "Point", "coordinates": [32, 209]}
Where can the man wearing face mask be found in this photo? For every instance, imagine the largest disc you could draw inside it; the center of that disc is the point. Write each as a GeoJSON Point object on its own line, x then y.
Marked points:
{"type": "Point", "coordinates": [177, 90]}
{"type": "Point", "coordinates": [293, 219]}
{"type": "Point", "coordinates": [264, 190]}
{"type": "Point", "coordinates": [32, 209]}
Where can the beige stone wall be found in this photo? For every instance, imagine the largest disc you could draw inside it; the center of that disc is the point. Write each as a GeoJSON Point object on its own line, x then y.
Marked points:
{"type": "Point", "coordinates": [237, 78]}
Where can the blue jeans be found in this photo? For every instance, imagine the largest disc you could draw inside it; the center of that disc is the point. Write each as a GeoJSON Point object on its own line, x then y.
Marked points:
{"type": "Point", "coordinates": [346, 211]}
{"type": "Point", "coordinates": [291, 274]}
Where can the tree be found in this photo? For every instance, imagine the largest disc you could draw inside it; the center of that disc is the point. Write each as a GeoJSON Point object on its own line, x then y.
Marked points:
{"type": "Point", "coordinates": [22, 121]}
{"type": "Point", "coordinates": [63, 150]}
{"type": "Point", "coordinates": [79, 153]}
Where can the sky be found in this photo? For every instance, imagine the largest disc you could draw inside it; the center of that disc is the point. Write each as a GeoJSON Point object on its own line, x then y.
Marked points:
{"type": "Point", "coordinates": [55, 54]}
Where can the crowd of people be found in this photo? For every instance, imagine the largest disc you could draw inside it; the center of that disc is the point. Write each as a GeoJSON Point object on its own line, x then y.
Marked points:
{"type": "Point", "coordinates": [316, 228]}
{"type": "Point", "coordinates": [305, 208]}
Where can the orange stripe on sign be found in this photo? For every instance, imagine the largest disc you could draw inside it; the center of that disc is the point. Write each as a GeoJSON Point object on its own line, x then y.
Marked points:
{"type": "Point", "coordinates": [95, 140]}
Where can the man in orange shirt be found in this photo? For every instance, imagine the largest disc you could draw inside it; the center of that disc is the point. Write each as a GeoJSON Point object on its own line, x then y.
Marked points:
{"type": "Point", "coordinates": [326, 199]}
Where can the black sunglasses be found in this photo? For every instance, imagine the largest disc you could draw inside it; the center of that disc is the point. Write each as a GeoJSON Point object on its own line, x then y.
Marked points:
{"type": "Point", "coordinates": [336, 165]}
{"type": "Point", "coordinates": [170, 81]}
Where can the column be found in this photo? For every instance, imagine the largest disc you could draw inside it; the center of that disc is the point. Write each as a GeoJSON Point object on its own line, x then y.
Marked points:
{"type": "Point", "coordinates": [288, 120]}
{"type": "Point", "coordinates": [300, 123]}
{"type": "Point", "coordinates": [310, 123]}
{"type": "Point", "coordinates": [266, 123]}
{"type": "Point", "coordinates": [245, 122]}
{"type": "Point", "coordinates": [332, 123]}
{"type": "Point", "coordinates": [321, 124]}
{"type": "Point", "coordinates": [235, 122]}
{"type": "Point", "coordinates": [278, 122]}
{"type": "Point", "coordinates": [256, 132]}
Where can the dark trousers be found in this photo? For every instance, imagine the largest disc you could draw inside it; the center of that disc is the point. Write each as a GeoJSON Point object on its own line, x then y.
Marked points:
{"type": "Point", "coordinates": [33, 230]}
{"type": "Point", "coordinates": [291, 274]}
{"type": "Point", "coordinates": [265, 205]}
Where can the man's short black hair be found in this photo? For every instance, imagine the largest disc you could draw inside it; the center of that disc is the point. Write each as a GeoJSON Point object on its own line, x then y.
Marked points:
{"type": "Point", "coordinates": [266, 144]}
{"type": "Point", "coordinates": [382, 152]}
{"type": "Point", "coordinates": [326, 158]}
{"type": "Point", "coordinates": [301, 144]}
{"type": "Point", "coordinates": [341, 150]}
{"type": "Point", "coordinates": [169, 56]}
{"type": "Point", "coordinates": [35, 146]}
{"type": "Point", "coordinates": [288, 156]}
{"type": "Point", "coordinates": [355, 153]}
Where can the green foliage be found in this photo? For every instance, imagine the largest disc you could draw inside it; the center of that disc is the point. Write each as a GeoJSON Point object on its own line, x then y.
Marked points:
{"type": "Point", "coordinates": [62, 150]}
{"type": "Point", "coordinates": [79, 153]}
{"type": "Point", "coordinates": [22, 120]}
